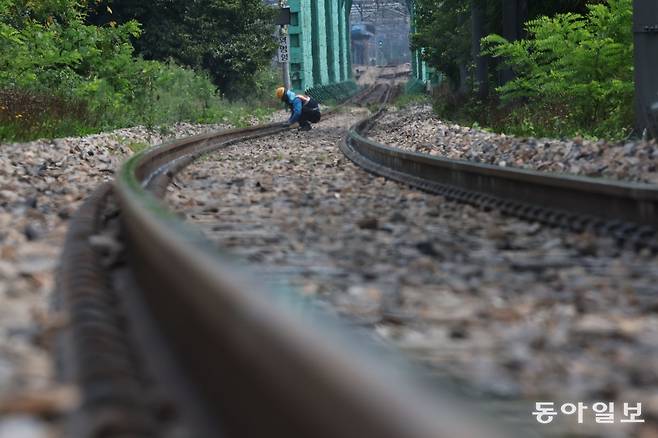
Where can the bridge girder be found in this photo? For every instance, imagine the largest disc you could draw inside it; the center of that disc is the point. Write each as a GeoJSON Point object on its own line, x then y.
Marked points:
{"type": "Point", "coordinates": [369, 10]}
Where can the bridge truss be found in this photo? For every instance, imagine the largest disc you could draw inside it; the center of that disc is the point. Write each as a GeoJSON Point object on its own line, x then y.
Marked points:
{"type": "Point", "coordinates": [389, 23]}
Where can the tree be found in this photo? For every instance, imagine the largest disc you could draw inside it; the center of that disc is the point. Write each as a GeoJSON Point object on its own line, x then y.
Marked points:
{"type": "Point", "coordinates": [477, 33]}
{"type": "Point", "coordinates": [515, 14]}
{"type": "Point", "coordinates": [577, 67]}
{"type": "Point", "coordinates": [444, 37]}
{"type": "Point", "coordinates": [551, 7]}
{"type": "Point", "coordinates": [449, 32]}
{"type": "Point", "coordinates": [232, 39]}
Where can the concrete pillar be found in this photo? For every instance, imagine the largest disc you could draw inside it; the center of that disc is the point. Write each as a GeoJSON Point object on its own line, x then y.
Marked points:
{"type": "Point", "coordinates": [320, 71]}
{"type": "Point", "coordinates": [333, 41]}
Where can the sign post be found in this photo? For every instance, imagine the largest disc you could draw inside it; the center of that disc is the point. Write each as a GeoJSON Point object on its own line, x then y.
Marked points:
{"type": "Point", "coordinates": [284, 43]}
{"type": "Point", "coordinates": [645, 30]}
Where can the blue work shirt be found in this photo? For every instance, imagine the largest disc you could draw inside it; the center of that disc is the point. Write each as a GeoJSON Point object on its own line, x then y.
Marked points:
{"type": "Point", "coordinates": [295, 103]}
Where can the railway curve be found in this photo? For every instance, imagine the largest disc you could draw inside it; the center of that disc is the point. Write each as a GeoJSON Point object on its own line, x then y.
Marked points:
{"type": "Point", "coordinates": [167, 338]}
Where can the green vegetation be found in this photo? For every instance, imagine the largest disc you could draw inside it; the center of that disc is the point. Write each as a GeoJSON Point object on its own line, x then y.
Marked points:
{"type": "Point", "coordinates": [569, 72]}
{"type": "Point", "coordinates": [61, 75]}
{"type": "Point", "coordinates": [230, 39]}
{"type": "Point", "coordinates": [408, 99]}
{"type": "Point", "coordinates": [443, 35]}
{"type": "Point", "coordinates": [574, 72]}
{"type": "Point", "coordinates": [138, 147]}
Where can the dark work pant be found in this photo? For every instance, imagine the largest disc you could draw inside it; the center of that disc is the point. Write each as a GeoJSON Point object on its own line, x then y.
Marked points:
{"type": "Point", "coordinates": [310, 113]}
{"type": "Point", "coordinates": [312, 116]}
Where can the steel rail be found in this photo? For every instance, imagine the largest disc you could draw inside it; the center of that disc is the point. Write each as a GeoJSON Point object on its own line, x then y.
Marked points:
{"type": "Point", "coordinates": [625, 210]}
{"type": "Point", "coordinates": [265, 363]}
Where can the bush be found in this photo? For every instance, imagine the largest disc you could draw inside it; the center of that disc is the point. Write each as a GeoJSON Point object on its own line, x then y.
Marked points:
{"type": "Point", "coordinates": [169, 93]}
{"type": "Point", "coordinates": [406, 100]}
{"type": "Point", "coordinates": [469, 109]}
{"type": "Point", "coordinates": [230, 39]}
{"type": "Point", "coordinates": [60, 76]}
{"type": "Point", "coordinates": [27, 114]}
{"type": "Point", "coordinates": [574, 74]}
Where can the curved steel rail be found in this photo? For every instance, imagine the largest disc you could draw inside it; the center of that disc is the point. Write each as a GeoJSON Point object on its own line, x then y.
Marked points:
{"type": "Point", "coordinates": [628, 211]}
{"type": "Point", "coordinates": [264, 362]}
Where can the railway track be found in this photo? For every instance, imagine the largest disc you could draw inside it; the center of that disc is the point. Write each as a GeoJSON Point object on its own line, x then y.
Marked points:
{"type": "Point", "coordinates": [169, 339]}
{"type": "Point", "coordinates": [380, 94]}
{"type": "Point", "coordinates": [624, 210]}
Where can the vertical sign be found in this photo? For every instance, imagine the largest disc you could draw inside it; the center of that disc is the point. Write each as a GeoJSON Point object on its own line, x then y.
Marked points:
{"type": "Point", "coordinates": [284, 56]}
{"type": "Point", "coordinates": [645, 29]}
{"type": "Point", "coordinates": [284, 47]}
{"type": "Point", "coordinates": [284, 42]}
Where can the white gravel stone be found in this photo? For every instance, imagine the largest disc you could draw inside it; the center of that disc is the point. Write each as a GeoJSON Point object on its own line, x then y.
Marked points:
{"type": "Point", "coordinates": [41, 184]}
{"type": "Point", "coordinates": [416, 128]}
{"type": "Point", "coordinates": [519, 309]}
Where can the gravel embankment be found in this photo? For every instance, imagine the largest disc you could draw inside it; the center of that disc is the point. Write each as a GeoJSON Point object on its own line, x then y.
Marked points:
{"type": "Point", "coordinates": [519, 310]}
{"type": "Point", "coordinates": [41, 185]}
{"type": "Point", "coordinates": [416, 128]}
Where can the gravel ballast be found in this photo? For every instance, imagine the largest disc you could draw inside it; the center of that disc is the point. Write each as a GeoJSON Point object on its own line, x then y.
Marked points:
{"type": "Point", "coordinates": [518, 310]}
{"type": "Point", "coordinates": [41, 185]}
{"type": "Point", "coordinates": [416, 128]}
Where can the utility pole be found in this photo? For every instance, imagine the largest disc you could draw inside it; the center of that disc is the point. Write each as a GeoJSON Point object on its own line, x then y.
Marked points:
{"type": "Point", "coordinates": [481, 62]}
{"type": "Point", "coordinates": [645, 30]}
{"type": "Point", "coordinates": [284, 44]}
{"type": "Point", "coordinates": [515, 14]}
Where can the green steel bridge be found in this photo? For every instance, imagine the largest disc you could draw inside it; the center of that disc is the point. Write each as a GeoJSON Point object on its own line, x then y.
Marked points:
{"type": "Point", "coordinates": [320, 44]}
{"type": "Point", "coordinates": [320, 40]}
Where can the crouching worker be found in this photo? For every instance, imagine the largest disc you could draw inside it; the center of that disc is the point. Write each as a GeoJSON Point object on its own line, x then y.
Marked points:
{"type": "Point", "coordinates": [304, 109]}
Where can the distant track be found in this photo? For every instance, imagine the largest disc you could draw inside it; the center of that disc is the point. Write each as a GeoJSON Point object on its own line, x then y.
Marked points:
{"type": "Point", "coordinates": [379, 94]}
